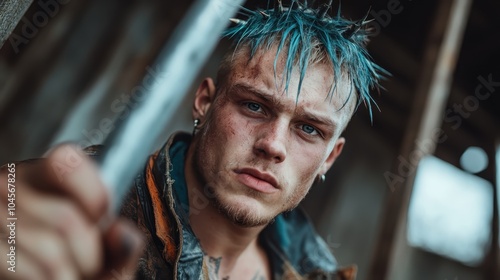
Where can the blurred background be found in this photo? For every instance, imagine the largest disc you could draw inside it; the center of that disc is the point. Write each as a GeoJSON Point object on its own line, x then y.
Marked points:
{"type": "Point", "coordinates": [414, 194]}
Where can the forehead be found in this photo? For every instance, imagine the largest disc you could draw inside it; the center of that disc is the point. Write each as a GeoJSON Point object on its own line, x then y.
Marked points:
{"type": "Point", "coordinates": [316, 89]}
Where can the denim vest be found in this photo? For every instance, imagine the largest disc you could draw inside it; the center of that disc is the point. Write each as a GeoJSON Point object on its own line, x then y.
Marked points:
{"type": "Point", "coordinates": [160, 207]}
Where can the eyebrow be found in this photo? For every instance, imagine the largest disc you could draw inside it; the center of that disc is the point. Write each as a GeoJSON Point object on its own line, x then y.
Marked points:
{"type": "Point", "coordinates": [276, 102]}
{"type": "Point", "coordinates": [319, 119]}
{"type": "Point", "coordinates": [270, 99]}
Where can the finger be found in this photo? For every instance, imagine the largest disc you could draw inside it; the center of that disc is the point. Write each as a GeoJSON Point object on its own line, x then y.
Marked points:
{"type": "Point", "coordinates": [124, 244]}
{"type": "Point", "coordinates": [70, 171]}
{"type": "Point", "coordinates": [48, 251]}
{"type": "Point", "coordinates": [15, 264]}
{"type": "Point", "coordinates": [68, 223]}
{"type": "Point", "coordinates": [66, 171]}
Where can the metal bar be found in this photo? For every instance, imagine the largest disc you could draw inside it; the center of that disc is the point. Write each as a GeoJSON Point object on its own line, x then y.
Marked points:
{"type": "Point", "coordinates": [190, 45]}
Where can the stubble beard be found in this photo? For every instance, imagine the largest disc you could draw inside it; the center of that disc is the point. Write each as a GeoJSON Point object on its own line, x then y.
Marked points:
{"type": "Point", "coordinates": [244, 216]}
{"type": "Point", "coordinates": [240, 215]}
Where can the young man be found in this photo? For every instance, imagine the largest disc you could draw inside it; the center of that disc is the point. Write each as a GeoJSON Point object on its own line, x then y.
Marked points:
{"type": "Point", "coordinates": [219, 204]}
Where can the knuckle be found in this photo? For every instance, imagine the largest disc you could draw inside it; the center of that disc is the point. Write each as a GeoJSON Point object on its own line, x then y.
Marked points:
{"type": "Point", "coordinates": [101, 202]}
{"type": "Point", "coordinates": [55, 254]}
{"type": "Point", "coordinates": [65, 159]}
{"type": "Point", "coordinates": [62, 150]}
{"type": "Point", "coordinates": [67, 218]}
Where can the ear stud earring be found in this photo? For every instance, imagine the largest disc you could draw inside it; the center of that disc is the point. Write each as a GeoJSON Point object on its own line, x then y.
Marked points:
{"type": "Point", "coordinates": [195, 125]}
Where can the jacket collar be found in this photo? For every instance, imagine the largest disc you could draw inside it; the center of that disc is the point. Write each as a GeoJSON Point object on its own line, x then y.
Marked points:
{"type": "Point", "coordinates": [292, 244]}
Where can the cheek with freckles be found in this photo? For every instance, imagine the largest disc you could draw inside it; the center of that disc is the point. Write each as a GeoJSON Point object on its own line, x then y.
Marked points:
{"type": "Point", "coordinates": [232, 129]}
{"type": "Point", "coordinates": [224, 140]}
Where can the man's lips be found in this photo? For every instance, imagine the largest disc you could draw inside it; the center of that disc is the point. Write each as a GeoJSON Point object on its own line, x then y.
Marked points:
{"type": "Point", "coordinates": [255, 179]}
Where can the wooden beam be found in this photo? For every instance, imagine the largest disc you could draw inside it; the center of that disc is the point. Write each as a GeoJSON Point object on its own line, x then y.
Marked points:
{"type": "Point", "coordinates": [427, 110]}
{"type": "Point", "coordinates": [11, 12]}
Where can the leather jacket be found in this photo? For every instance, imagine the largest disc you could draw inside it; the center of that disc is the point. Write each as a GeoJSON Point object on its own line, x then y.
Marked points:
{"type": "Point", "coordinates": [158, 205]}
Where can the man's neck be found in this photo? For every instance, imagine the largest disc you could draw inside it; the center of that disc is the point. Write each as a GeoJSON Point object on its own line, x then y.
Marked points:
{"type": "Point", "coordinates": [228, 247]}
{"type": "Point", "coordinates": [225, 244]}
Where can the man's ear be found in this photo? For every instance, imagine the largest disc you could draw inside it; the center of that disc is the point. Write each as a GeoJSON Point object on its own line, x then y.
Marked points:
{"type": "Point", "coordinates": [337, 149]}
{"type": "Point", "coordinates": [204, 98]}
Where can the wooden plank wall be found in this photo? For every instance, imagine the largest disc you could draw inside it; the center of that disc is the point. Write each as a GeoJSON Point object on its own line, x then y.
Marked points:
{"type": "Point", "coordinates": [85, 48]}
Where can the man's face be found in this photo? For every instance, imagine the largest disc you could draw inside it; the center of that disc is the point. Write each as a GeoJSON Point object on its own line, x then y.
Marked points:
{"type": "Point", "coordinates": [259, 150]}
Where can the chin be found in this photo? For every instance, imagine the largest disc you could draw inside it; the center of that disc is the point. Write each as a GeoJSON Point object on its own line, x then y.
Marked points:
{"type": "Point", "coordinates": [243, 210]}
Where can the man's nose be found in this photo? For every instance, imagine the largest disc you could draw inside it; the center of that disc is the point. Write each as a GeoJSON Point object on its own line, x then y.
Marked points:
{"type": "Point", "coordinates": [272, 140]}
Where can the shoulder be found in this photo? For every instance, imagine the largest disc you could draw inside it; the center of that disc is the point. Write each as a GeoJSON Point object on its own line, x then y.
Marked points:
{"type": "Point", "coordinates": [292, 239]}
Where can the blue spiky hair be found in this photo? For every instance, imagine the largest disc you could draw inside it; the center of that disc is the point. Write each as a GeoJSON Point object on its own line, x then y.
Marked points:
{"type": "Point", "coordinates": [298, 29]}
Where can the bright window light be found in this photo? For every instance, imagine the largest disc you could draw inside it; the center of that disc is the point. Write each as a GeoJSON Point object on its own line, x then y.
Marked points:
{"type": "Point", "coordinates": [497, 163]}
{"type": "Point", "coordinates": [474, 160]}
{"type": "Point", "coordinates": [450, 212]}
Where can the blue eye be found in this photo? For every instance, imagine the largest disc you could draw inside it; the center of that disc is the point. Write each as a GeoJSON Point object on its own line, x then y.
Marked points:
{"type": "Point", "coordinates": [309, 129]}
{"type": "Point", "coordinates": [253, 106]}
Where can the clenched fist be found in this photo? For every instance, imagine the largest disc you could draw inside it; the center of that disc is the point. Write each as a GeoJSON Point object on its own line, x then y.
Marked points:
{"type": "Point", "coordinates": [55, 222]}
